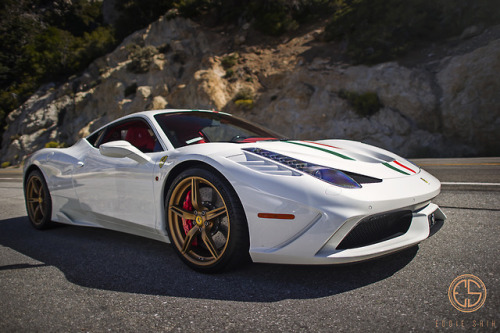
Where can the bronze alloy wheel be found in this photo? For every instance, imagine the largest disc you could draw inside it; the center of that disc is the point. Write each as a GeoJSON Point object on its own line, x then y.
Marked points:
{"type": "Point", "coordinates": [201, 233]}
{"type": "Point", "coordinates": [205, 224]}
{"type": "Point", "coordinates": [38, 201]}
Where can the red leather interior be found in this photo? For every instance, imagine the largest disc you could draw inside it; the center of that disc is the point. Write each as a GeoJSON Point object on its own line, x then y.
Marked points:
{"type": "Point", "coordinates": [140, 138]}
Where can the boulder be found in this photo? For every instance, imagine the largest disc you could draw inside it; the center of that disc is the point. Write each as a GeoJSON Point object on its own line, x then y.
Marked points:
{"type": "Point", "coordinates": [471, 98]}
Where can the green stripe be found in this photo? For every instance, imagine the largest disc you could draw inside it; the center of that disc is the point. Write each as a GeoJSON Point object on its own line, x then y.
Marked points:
{"type": "Point", "coordinates": [395, 169]}
{"type": "Point", "coordinates": [322, 149]}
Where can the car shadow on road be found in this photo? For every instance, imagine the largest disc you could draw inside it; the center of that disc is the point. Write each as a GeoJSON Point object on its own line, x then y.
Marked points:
{"type": "Point", "coordinates": [108, 260]}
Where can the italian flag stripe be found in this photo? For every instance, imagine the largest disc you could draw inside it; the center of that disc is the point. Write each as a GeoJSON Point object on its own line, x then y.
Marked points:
{"type": "Point", "coordinates": [395, 169]}
{"type": "Point", "coordinates": [321, 144]}
{"type": "Point", "coordinates": [322, 149]}
{"type": "Point", "coordinates": [401, 165]}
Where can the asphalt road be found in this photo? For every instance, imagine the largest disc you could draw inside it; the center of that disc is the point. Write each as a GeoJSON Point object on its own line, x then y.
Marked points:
{"type": "Point", "coordinates": [75, 279]}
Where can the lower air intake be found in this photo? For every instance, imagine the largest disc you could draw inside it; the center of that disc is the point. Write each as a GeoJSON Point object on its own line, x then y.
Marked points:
{"type": "Point", "coordinates": [377, 228]}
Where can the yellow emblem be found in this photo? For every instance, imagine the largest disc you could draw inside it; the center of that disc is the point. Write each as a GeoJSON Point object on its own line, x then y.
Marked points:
{"type": "Point", "coordinates": [163, 160]}
{"type": "Point", "coordinates": [199, 220]}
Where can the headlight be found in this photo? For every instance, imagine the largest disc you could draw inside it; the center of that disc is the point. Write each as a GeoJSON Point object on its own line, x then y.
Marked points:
{"type": "Point", "coordinates": [335, 177]}
{"type": "Point", "coordinates": [329, 175]}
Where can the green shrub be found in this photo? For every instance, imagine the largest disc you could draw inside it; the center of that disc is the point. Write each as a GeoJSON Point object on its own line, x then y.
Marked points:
{"type": "Point", "coordinates": [244, 98]}
{"type": "Point", "coordinates": [229, 60]}
{"type": "Point", "coordinates": [55, 144]}
{"type": "Point", "coordinates": [95, 43]}
{"type": "Point", "coordinates": [193, 8]}
{"type": "Point", "coordinates": [364, 104]}
{"type": "Point", "coordinates": [280, 16]}
{"type": "Point", "coordinates": [276, 22]}
{"type": "Point", "coordinates": [141, 57]}
{"type": "Point", "coordinates": [244, 93]}
{"type": "Point", "coordinates": [137, 14]}
{"type": "Point", "coordinates": [55, 53]}
{"type": "Point", "coordinates": [5, 165]}
{"type": "Point", "coordinates": [244, 103]}
{"type": "Point", "coordinates": [229, 73]}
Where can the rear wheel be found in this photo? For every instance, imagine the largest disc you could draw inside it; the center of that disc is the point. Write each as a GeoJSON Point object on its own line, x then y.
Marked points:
{"type": "Point", "coordinates": [38, 201]}
{"type": "Point", "coordinates": [205, 221]}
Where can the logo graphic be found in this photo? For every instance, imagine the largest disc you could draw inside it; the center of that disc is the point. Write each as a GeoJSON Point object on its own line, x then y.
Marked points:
{"type": "Point", "coordinates": [199, 220]}
{"type": "Point", "coordinates": [424, 180]}
{"type": "Point", "coordinates": [467, 293]}
{"type": "Point", "coordinates": [163, 160]}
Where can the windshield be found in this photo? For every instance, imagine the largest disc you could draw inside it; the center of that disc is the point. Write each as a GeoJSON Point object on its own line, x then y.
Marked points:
{"type": "Point", "coordinates": [185, 128]}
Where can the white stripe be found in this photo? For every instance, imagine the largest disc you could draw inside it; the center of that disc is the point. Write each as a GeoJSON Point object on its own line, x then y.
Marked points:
{"type": "Point", "coordinates": [476, 184]}
{"type": "Point", "coordinates": [188, 142]}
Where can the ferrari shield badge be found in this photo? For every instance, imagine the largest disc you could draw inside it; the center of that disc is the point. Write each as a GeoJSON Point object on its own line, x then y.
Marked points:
{"type": "Point", "coordinates": [162, 161]}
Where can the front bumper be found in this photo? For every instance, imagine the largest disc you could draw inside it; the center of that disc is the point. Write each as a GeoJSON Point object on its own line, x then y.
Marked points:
{"type": "Point", "coordinates": [325, 214]}
{"type": "Point", "coordinates": [293, 253]}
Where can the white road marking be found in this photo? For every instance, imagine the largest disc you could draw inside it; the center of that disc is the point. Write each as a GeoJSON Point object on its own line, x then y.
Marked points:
{"type": "Point", "coordinates": [442, 183]}
{"type": "Point", "coordinates": [474, 184]}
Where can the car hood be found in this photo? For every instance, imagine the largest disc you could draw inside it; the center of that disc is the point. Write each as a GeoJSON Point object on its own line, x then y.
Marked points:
{"type": "Point", "coordinates": [342, 155]}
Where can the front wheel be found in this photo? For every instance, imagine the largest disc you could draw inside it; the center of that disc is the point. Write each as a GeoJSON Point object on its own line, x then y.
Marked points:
{"type": "Point", "coordinates": [205, 221]}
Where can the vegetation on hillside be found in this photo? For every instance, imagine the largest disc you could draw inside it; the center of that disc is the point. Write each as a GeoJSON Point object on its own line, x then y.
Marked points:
{"type": "Point", "coordinates": [364, 104]}
{"type": "Point", "coordinates": [46, 40]}
{"type": "Point", "coordinates": [49, 40]}
{"type": "Point", "coordinates": [381, 30]}
{"type": "Point", "coordinates": [272, 17]}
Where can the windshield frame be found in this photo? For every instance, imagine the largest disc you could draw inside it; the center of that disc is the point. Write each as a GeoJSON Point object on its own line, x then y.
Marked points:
{"type": "Point", "coordinates": [185, 128]}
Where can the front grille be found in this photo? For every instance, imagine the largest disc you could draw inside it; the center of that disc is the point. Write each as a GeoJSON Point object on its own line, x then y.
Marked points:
{"type": "Point", "coordinates": [377, 228]}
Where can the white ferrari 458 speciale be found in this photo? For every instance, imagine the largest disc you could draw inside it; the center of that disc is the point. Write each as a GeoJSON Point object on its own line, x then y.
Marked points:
{"type": "Point", "coordinates": [224, 191]}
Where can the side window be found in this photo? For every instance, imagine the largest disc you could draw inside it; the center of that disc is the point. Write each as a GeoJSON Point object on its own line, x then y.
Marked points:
{"type": "Point", "coordinates": [94, 138]}
{"type": "Point", "coordinates": [137, 132]}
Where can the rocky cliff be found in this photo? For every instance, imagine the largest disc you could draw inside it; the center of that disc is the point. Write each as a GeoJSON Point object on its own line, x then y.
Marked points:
{"type": "Point", "coordinates": [447, 106]}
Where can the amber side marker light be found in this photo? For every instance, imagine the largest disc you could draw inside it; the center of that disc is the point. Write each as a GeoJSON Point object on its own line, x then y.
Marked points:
{"type": "Point", "coordinates": [276, 216]}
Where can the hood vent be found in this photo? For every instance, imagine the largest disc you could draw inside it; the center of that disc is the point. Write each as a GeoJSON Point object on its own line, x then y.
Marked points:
{"type": "Point", "coordinates": [269, 168]}
{"type": "Point", "coordinates": [293, 163]}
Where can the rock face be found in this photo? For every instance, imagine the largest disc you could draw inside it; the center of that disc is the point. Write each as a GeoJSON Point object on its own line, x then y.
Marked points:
{"type": "Point", "coordinates": [471, 97]}
{"type": "Point", "coordinates": [451, 110]}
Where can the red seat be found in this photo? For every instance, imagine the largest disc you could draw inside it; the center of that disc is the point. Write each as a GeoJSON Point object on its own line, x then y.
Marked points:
{"type": "Point", "coordinates": [140, 138]}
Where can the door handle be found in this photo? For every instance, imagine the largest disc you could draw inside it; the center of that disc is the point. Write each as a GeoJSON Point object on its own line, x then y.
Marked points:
{"type": "Point", "coordinates": [80, 164]}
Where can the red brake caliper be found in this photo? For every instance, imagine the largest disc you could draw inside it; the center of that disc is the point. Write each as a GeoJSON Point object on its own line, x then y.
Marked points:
{"type": "Point", "coordinates": [188, 224]}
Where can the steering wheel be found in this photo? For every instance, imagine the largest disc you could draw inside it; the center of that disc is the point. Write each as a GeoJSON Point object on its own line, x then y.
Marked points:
{"type": "Point", "coordinates": [237, 138]}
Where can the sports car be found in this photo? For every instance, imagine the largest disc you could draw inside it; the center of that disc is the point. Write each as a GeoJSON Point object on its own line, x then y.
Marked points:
{"type": "Point", "coordinates": [224, 191]}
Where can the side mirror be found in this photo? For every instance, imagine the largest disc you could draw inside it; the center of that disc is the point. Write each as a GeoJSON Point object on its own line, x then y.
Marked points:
{"type": "Point", "coordinates": [122, 149]}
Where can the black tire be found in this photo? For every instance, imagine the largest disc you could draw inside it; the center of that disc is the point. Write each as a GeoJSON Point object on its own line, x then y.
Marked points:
{"type": "Point", "coordinates": [206, 223]}
{"type": "Point", "coordinates": [38, 201]}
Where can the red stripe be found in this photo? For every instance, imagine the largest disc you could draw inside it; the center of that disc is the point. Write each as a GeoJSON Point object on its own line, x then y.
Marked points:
{"type": "Point", "coordinates": [252, 140]}
{"type": "Point", "coordinates": [321, 144]}
{"type": "Point", "coordinates": [276, 216]}
{"type": "Point", "coordinates": [401, 165]}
